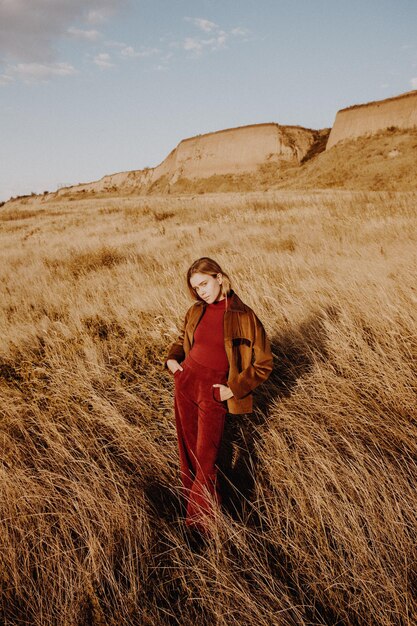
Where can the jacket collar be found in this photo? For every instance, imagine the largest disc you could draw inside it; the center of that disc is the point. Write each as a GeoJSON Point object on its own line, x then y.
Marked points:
{"type": "Point", "coordinates": [234, 303]}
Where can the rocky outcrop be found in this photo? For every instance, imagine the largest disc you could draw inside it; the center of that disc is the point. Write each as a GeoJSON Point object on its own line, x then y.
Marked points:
{"type": "Point", "coordinates": [364, 119]}
{"type": "Point", "coordinates": [233, 151]}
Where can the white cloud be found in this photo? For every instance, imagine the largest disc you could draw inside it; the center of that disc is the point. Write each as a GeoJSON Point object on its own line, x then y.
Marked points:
{"type": "Point", "coordinates": [29, 30]}
{"type": "Point", "coordinates": [98, 16]}
{"type": "Point", "coordinates": [36, 72]}
{"type": "Point", "coordinates": [193, 44]}
{"type": "Point", "coordinates": [239, 31]}
{"type": "Point", "coordinates": [103, 60]}
{"type": "Point", "coordinates": [202, 24]}
{"type": "Point", "coordinates": [130, 52]}
{"type": "Point", "coordinates": [115, 44]}
{"type": "Point", "coordinates": [87, 35]}
{"type": "Point", "coordinates": [413, 82]}
{"type": "Point", "coordinates": [218, 40]}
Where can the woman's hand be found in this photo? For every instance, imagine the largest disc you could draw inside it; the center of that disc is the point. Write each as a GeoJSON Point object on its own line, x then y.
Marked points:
{"type": "Point", "coordinates": [225, 392]}
{"type": "Point", "coordinates": [173, 366]}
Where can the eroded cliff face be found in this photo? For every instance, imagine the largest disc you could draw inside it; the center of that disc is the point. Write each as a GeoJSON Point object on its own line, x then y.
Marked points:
{"type": "Point", "coordinates": [127, 182]}
{"type": "Point", "coordinates": [232, 151]}
{"type": "Point", "coordinates": [363, 119]}
{"type": "Point", "coordinates": [235, 151]}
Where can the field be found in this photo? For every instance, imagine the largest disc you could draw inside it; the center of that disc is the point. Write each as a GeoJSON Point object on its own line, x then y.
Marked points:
{"type": "Point", "coordinates": [320, 515]}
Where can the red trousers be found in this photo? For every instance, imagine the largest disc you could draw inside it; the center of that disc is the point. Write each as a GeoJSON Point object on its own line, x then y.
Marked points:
{"type": "Point", "coordinates": [199, 417]}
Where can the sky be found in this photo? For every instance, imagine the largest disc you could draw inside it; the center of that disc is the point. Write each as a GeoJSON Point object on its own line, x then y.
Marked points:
{"type": "Point", "coordinates": [94, 87]}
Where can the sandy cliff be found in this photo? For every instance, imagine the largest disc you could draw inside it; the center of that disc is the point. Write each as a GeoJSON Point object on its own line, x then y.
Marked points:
{"type": "Point", "coordinates": [234, 151]}
{"type": "Point", "coordinates": [363, 119]}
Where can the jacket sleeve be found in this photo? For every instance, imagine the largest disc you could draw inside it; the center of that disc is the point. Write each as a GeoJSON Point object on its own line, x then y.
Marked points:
{"type": "Point", "coordinates": [260, 368]}
{"type": "Point", "coordinates": [176, 350]}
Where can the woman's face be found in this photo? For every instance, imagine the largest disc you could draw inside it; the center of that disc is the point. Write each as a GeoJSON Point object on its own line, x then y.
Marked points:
{"type": "Point", "coordinates": [206, 286]}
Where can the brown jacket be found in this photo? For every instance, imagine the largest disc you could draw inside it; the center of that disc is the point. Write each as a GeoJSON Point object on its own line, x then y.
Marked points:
{"type": "Point", "coordinates": [247, 348]}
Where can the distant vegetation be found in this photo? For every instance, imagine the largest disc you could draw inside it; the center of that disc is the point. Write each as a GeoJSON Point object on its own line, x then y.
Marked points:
{"type": "Point", "coordinates": [320, 528]}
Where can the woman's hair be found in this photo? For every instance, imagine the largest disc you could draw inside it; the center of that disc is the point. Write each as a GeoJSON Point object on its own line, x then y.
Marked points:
{"type": "Point", "coordinates": [205, 265]}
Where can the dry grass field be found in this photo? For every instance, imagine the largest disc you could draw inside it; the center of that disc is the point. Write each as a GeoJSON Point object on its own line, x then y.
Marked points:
{"type": "Point", "coordinates": [320, 518]}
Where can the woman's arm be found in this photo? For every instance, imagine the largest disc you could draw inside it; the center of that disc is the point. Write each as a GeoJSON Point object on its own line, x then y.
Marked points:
{"type": "Point", "coordinates": [176, 350]}
{"type": "Point", "coordinates": [260, 368]}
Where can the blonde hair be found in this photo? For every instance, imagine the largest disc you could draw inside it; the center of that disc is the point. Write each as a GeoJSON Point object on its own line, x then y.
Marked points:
{"type": "Point", "coordinates": [205, 265]}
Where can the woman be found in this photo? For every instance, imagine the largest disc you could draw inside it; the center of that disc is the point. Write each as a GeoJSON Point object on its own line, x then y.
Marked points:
{"type": "Point", "coordinates": [220, 356]}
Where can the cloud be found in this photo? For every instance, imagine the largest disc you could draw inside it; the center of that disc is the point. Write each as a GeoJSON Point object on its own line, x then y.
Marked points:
{"type": "Point", "coordinates": [115, 44]}
{"type": "Point", "coordinates": [36, 72]}
{"type": "Point", "coordinates": [102, 60]}
{"type": "Point", "coordinates": [190, 43]}
{"type": "Point", "coordinates": [193, 44]}
{"type": "Point", "coordinates": [413, 82]}
{"type": "Point", "coordinates": [29, 30]}
{"type": "Point", "coordinates": [98, 16]}
{"type": "Point", "coordinates": [239, 31]}
{"type": "Point", "coordinates": [202, 23]}
{"type": "Point", "coordinates": [87, 35]}
{"type": "Point", "coordinates": [219, 39]}
{"type": "Point", "coordinates": [130, 52]}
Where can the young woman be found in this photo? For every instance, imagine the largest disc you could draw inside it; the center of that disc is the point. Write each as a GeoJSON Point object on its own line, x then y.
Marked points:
{"type": "Point", "coordinates": [220, 356]}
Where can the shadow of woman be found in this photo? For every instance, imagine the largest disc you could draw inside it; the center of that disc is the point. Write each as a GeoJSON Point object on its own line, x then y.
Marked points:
{"type": "Point", "coordinates": [294, 353]}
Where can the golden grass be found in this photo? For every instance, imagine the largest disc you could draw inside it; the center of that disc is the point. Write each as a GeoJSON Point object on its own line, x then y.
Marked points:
{"type": "Point", "coordinates": [92, 293]}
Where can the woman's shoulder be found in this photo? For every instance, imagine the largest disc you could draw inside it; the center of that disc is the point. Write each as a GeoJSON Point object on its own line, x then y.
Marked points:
{"type": "Point", "coordinates": [237, 304]}
{"type": "Point", "coordinates": [194, 308]}
{"type": "Point", "coordinates": [244, 309]}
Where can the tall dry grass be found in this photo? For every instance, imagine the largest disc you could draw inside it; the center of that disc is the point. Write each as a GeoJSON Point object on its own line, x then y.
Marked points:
{"type": "Point", "coordinates": [320, 525]}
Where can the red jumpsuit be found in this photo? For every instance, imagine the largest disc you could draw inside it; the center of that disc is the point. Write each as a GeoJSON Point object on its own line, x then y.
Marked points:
{"type": "Point", "coordinates": [200, 415]}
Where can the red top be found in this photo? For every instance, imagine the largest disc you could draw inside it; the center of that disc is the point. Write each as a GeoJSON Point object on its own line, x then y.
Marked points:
{"type": "Point", "coordinates": [208, 347]}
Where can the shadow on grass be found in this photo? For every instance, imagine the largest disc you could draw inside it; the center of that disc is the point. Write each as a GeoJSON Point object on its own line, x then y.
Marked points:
{"type": "Point", "coordinates": [294, 353]}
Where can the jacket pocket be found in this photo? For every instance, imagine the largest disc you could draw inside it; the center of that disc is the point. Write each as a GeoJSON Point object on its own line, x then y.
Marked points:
{"type": "Point", "coordinates": [241, 341]}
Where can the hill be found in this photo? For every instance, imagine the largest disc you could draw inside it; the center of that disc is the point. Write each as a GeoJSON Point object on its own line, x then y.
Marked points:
{"type": "Point", "coordinates": [385, 160]}
{"type": "Point", "coordinates": [371, 117]}
{"type": "Point", "coordinates": [230, 152]}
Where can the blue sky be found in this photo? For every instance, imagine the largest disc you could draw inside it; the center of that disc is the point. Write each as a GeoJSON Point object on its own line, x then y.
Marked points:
{"type": "Point", "coordinates": [93, 87]}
